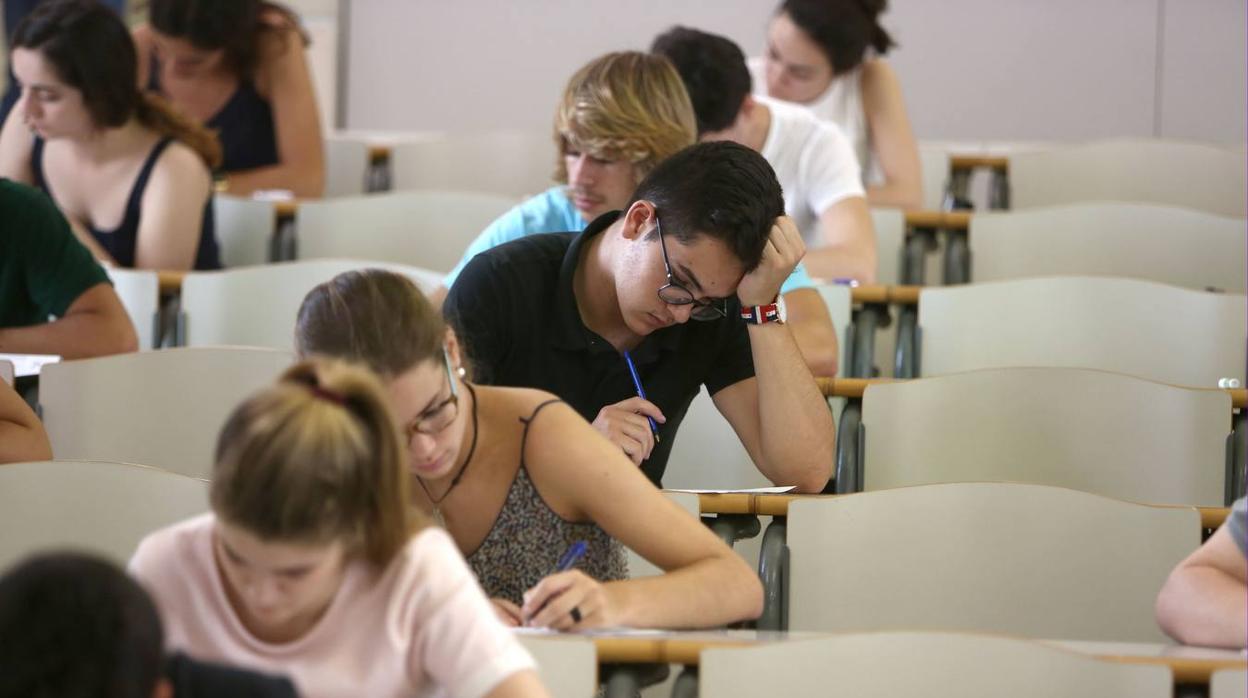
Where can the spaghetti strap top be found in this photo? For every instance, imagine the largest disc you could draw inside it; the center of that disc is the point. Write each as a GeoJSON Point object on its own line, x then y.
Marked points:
{"type": "Point", "coordinates": [120, 243]}
{"type": "Point", "coordinates": [528, 538]}
{"type": "Point", "coordinates": [244, 125]}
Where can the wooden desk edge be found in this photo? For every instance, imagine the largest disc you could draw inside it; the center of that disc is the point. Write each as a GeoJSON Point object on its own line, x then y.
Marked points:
{"type": "Point", "coordinates": [948, 220]}
{"type": "Point", "coordinates": [644, 650]}
{"type": "Point", "coordinates": [1186, 670]}
{"type": "Point", "coordinates": [970, 162]}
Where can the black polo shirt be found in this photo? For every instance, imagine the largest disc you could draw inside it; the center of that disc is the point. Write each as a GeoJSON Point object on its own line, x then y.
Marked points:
{"type": "Point", "coordinates": [515, 313]}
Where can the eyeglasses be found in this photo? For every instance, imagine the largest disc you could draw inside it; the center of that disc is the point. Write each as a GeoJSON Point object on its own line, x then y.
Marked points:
{"type": "Point", "coordinates": [436, 419]}
{"type": "Point", "coordinates": [674, 293]}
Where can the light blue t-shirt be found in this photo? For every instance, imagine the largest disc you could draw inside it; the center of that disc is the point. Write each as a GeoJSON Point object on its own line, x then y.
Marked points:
{"type": "Point", "coordinates": [552, 212]}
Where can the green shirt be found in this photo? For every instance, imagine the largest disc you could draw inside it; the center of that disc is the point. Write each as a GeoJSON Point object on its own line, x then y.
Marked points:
{"type": "Point", "coordinates": [43, 267]}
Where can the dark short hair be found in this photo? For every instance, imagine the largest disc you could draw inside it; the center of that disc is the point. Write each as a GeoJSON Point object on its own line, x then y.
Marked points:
{"type": "Point", "coordinates": [720, 189]}
{"type": "Point", "coordinates": [235, 26]}
{"type": "Point", "coordinates": [90, 48]}
{"type": "Point", "coordinates": [843, 29]}
{"type": "Point", "coordinates": [75, 626]}
{"type": "Point", "coordinates": [713, 70]}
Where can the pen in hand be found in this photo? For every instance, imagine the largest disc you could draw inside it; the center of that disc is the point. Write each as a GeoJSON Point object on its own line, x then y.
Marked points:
{"type": "Point", "coordinates": [641, 393]}
{"type": "Point", "coordinates": [569, 558]}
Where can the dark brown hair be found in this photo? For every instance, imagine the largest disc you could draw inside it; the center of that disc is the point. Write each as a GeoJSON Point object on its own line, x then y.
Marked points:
{"type": "Point", "coordinates": [317, 458]}
{"type": "Point", "coordinates": [235, 26]}
{"type": "Point", "coordinates": [843, 29]}
{"type": "Point", "coordinates": [92, 51]}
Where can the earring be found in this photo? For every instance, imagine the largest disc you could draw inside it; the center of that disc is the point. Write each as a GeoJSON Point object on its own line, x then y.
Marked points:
{"type": "Point", "coordinates": [461, 371]}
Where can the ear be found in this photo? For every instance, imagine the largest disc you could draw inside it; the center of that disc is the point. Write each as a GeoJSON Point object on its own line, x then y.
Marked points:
{"type": "Point", "coordinates": [638, 220]}
{"type": "Point", "coordinates": [747, 108]}
{"type": "Point", "coordinates": [453, 349]}
{"type": "Point", "coordinates": [163, 689]}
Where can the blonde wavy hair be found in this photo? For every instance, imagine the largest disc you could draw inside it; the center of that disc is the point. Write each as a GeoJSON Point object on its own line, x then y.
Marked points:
{"type": "Point", "coordinates": [628, 106]}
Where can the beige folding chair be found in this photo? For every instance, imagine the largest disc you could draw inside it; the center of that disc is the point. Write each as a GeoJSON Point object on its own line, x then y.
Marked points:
{"type": "Point", "coordinates": [566, 664]}
{"type": "Point", "coordinates": [1195, 175]}
{"type": "Point", "coordinates": [346, 166]}
{"type": "Point", "coordinates": [139, 291]}
{"type": "Point", "coordinates": [101, 507]}
{"type": "Point", "coordinates": [161, 408]}
{"type": "Point", "coordinates": [934, 169]}
{"type": "Point", "coordinates": [1163, 333]}
{"type": "Point", "coordinates": [1228, 683]}
{"type": "Point", "coordinates": [510, 163]}
{"type": "Point", "coordinates": [1029, 560]}
{"type": "Point", "coordinates": [245, 229]}
{"type": "Point", "coordinates": [1096, 431]}
{"type": "Point", "coordinates": [257, 306]}
{"type": "Point", "coordinates": [428, 229]}
{"type": "Point", "coordinates": [890, 237]}
{"type": "Point", "coordinates": [931, 664]}
{"type": "Point", "coordinates": [1177, 246]}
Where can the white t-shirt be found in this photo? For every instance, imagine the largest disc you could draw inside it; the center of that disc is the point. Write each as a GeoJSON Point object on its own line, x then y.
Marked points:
{"type": "Point", "coordinates": [840, 104]}
{"type": "Point", "coordinates": [420, 627]}
{"type": "Point", "coordinates": [814, 163]}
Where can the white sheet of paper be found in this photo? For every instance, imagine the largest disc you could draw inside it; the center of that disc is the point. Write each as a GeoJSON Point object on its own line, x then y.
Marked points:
{"type": "Point", "coordinates": [29, 364]}
{"type": "Point", "coordinates": [750, 490]}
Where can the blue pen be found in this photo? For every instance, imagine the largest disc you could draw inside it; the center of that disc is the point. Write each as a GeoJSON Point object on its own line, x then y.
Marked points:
{"type": "Point", "coordinates": [641, 393]}
{"type": "Point", "coordinates": [573, 554]}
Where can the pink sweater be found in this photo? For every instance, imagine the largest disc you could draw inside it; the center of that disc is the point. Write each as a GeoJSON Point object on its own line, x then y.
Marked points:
{"type": "Point", "coordinates": [420, 627]}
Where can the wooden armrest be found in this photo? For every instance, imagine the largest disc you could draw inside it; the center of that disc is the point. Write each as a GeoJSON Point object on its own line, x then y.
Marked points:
{"type": "Point", "coordinates": [170, 280]}
{"type": "Point", "coordinates": [970, 162]}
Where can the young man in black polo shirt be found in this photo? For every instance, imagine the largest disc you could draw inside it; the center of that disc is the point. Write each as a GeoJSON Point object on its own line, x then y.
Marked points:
{"type": "Point", "coordinates": [704, 236]}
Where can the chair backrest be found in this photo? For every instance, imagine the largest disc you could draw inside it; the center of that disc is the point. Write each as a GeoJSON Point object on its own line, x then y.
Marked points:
{"type": "Point", "coordinates": [1095, 431]}
{"type": "Point", "coordinates": [1029, 560]}
{"type": "Point", "coordinates": [936, 665]}
{"type": "Point", "coordinates": [346, 166]}
{"type": "Point", "coordinates": [256, 306]}
{"type": "Point", "coordinates": [566, 664]}
{"type": "Point", "coordinates": [245, 228]}
{"type": "Point", "coordinates": [1204, 177]}
{"type": "Point", "coordinates": [1178, 246]}
{"type": "Point", "coordinates": [1228, 683]}
{"type": "Point", "coordinates": [139, 291]}
{"type": "Point", "coordinates": [428, 229]}
{"type": "Point", "coordinates": [1141, 328]}
{"type": "Point", "coordinates": [890, 238]}
{"type": "Point", "coordinates": [510, 163]}
{"type": "Point", "coordinates": [7, 374]}
{"type": "Point", "coordinates": [707, 452]}
{"type": "Point", "coordinates": [162, 408]}
{"type": "Point", "coordinates": [934, 170]}
{"type": "Point", "coordinates": [102, 507]}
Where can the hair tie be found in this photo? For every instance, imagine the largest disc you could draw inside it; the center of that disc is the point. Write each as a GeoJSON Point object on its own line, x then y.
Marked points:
{"type": "Point", "coordinates": [329, 395]}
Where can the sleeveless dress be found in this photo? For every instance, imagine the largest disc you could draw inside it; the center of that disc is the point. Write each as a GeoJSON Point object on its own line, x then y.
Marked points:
{"type": "Point", "coordinates": [528, 538]}
{"type": "Point", "coordinates": [244, 125]}
{"type": "Point", "coordinates": [120, 243]}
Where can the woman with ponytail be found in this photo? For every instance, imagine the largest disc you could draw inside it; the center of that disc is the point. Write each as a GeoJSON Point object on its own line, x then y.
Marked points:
{"type": "Point", "coordinates": [238, 67]}
{"type": "Point", "coordinates": [133, 177]}
{"type": "Point", "coordinates": [313, 563]}
{"type": "Point", "coordinates": [828, 55]}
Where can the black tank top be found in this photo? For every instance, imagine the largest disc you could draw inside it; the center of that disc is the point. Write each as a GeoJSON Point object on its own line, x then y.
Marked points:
{"type": "Point", "coordinates": [244, 125]}
{"type": "Point", "coordinates": [120, 243]}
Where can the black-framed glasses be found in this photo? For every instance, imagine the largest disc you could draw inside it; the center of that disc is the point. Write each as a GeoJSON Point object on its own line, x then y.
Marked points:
{"type": "Point", "coordinates": [674, 293]}
{"type": "Point", "coordinates": [436, 419]}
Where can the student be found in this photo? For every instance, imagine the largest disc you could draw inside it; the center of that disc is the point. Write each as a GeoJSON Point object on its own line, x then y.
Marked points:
{"type": "Point", "coordinates": [314, 564]}
{"type": "Point", "coordinates": [238, 67]}
{"type": "Point", "coordinates": [816, 167]}
{"type": "Point", "coordinates": [703, 238]}
{"type": "Point", "coordinates": [45, 271]}
{"type": "Point", "coordinates": [517, 477]}
{"type": "Point", "coordinates": [828, 56]}
{"type": "Point", "coordinates": [132, 177]}
{"type": "Point", "coordinates": [86, 629]}
{"type": "Point", "coordinates": [621, 114]}
{"type": "Point", "coordinates": [22, 438]}
{"type": "Point", "coordinates": [1205, 599]}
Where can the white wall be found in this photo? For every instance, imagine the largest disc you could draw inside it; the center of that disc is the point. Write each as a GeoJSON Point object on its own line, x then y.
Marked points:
{"type": "Point", "coordinates": [971, 69]}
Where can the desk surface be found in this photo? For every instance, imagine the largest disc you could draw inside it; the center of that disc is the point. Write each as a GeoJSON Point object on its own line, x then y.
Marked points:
{"type": "Point", "coordinates": [778, 505]}
{"type": "Point", "coordinates": [623, 646]}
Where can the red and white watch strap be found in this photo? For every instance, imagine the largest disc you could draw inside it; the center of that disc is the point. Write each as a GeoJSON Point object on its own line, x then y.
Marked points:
{"type": "Point", "coordinates": [759, 314]}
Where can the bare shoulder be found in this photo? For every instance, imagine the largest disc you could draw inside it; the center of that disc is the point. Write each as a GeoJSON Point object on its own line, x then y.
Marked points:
{"type": "Point", "coordinates": [524, 401]}
{"type": "Point", "coordinates": [879, 80]}
{"type": "Point", "coordinates": [282, 36]}
{"type": "Point", "coordinates": [180, 165]}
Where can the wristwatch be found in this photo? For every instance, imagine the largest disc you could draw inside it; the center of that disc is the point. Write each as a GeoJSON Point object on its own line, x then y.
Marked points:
{"type": "Point", "coordinates": [760, 314]}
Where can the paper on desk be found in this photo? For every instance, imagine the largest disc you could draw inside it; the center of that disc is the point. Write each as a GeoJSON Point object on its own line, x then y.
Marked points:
{"type": "Point", "coordinates": [29, 364]}
{"type": "Point", "coordinates": [749, 490]}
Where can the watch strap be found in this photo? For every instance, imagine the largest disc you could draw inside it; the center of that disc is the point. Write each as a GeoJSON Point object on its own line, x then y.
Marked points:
{"type": "Point", "coordinates": [761, 314]}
